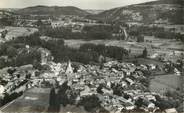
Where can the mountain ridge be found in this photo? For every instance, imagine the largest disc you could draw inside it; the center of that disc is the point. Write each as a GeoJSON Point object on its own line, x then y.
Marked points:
{"type": "Point", "coordinates": [149, 12]}
{"type": "Point", "coordinates": [52, 10]}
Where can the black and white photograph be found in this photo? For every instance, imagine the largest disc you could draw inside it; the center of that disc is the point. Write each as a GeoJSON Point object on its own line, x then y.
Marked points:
{"type": "Point", "coordinates": [91, 56]}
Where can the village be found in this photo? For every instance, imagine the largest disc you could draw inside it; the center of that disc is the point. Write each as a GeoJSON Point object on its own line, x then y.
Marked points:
{"type": "Point", "coordinates": [119, 86]}
{"type": "Point", "coordinates": [67, 60]}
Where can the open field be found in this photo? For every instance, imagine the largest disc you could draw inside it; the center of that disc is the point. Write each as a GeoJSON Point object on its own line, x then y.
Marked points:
{"type": "Point", "coordinates": [14, 32]}
{"type": "Point", "coordinates": [36, 99]}
{"type": "Point", "coordinates": [153, 45]}
{"type": "Point", "coordinates": [145, 61]}
{"type": "Point", "coordinates": [163, 83]}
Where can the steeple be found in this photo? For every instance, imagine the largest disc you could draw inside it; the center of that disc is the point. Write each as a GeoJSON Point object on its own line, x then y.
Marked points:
{"type": "Point", "coordinates": [69, 68]}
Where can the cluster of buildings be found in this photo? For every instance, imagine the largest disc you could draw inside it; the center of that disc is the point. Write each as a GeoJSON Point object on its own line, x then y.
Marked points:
{"type": "Point", "coordinates": [76, 25]}
{"type": "Point", "coordinates": [119, 86]}
{"type": "Point", "coordinates": [88, 80]}
{"type": "Point", "coordinates": [75, 22]}
{"type": "Point", "coordinates": [15, 80]}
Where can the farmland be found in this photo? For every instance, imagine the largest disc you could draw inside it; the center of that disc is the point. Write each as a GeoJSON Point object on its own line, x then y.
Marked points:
{"type": "Point", "coordinates": [162, 84]}
{"type": "Point", "coordinates": [35, 99]}
{"type": "Point", "coordinates": [153, 45]}
{"type": "Point", "coordinates": [13, 32]}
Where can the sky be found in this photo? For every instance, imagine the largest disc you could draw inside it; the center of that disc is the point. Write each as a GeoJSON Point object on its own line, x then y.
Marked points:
{"type": "Point", "coordinates": [83, 4]}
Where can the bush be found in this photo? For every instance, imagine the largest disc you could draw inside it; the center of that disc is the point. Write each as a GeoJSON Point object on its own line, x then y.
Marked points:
{"type": "Point", "coordinates": [90, 103]}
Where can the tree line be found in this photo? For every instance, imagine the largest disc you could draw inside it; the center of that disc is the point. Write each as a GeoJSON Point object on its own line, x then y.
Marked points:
{"type": "Point", "coordinates": [88, 32]}
{"type": "Point", "coordinates": [19, 55]}
{"type": "Point", "coordinates": [158, 32]}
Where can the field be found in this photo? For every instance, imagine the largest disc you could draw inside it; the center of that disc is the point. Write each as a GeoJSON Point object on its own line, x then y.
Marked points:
{"type": "Point", "coordinates": [153, 45]}
{"type": "Point", "coordinates": [33, 100]}
{"type": "Point", "coordinates": [164, 83]}
{"type": "Point", "coordinates": [14, 32]}
{"type": "Point", "coordinates": [36, 100]}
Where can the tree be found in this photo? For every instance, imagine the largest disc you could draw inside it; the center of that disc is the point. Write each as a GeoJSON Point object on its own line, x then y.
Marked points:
{"type": "Point", "coordinates": [4, 33]}
{"type": "Point", "coordinates": [2, 63]}
{"type": "Point", "coordinates": [99, 89]}
{"type": "Point", "coordinates": [145, 53]}
{"type": "Point", "coordinates": [3, 49]}
{"type": "Point", "coordinates": [11, 52]}
{"type": "Point", "coordinates": [7, 21]}
{"type": "Point", "coordinates": [28, 76]}
{"type": "Point", "coordinates": [11, 71]}
{"type": "Point", "coordinates": [101, 60]}
{"type": "Point", "coordinates": [118, 90]}
{"type": "Point", "coordinates": [39, 23]}
{"type": "Point", "coordinates": [145, 82]}
{"type": "Point", "coordinates": [53, 104]}
{"type": "Point", "coordinates": [26, 57]}
{"type": "Point", "coordinates": [63, 99]}
{"type": "Point", "coordinates": [139, 102]}
{"type": "Point", "coordinates": [140, 38]}
{"type": "Point", "coordinates": [90, 103]}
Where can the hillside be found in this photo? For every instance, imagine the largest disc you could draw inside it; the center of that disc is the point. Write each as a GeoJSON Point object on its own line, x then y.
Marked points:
{"type": "Point", "coordinates": [93, 11]}
{"type": "Point", "coordinates": [176, 2]}
{"type": "Point", "coordinates": [54, 11]}
{"type": "Point", "coordinates": [4, 13]}
{"type": "Point", "coordinates": [6, 18]}
{"type": "Point", "coordinates": [164, 11]}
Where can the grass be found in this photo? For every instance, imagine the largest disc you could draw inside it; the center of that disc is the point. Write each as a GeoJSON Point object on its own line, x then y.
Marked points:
{"type": "Point", "coordinates": [19, 31]}
{"type": "Point", "coordinates": [160, 46]}
{"type": "Point", "coordinates": [22, 104]}
{"type": "Point", "coordinates": [163, 83]}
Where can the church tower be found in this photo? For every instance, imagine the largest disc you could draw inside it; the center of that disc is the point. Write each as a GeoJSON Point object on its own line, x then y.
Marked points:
{"type": "Point", "coordinates": [69, 69]}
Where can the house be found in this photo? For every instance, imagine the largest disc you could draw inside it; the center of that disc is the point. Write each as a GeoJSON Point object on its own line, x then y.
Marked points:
{"type": "Point", "coordinates": [130, 24]}
{"type": "Point", "coordinates": [77, 27]}
{"type": "Point", "coordinates": [130, 81]}
{"type": "Point", "coordinates": [172, 110]}
{"type": "Point", "coordinates": [2, 89]}
{"type": "Point", "coordinates": [56, 24]}
{"type": "Point", "coordinates": [45, 55]}
{"type": "Point", "coordinates": [87, 91]}
{"type": "Point", "coordinates": [107, 91]}
{"type": "Point", "coordinates": [150, 97]}
{"type": "Point", "coordinates": [124, 84]}
{"type": "Point", "coordinates": [120, 33]}
{"type": "Point", "coordinates": [151, 106]}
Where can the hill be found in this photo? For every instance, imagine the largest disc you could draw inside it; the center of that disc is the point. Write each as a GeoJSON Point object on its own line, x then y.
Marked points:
{"type": "Point", "coordinates": [4, 12]}
{"type": "Point", "coordinates": [93, 11]}
{"type": "Point", "coordinates": [163, 11]}
{"type": "Point", "coordinates": [7, 18]}
{"type": "Point", "coordinates": [176, 2]}
{"type": "Point", "coordinates": [53, 11]}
